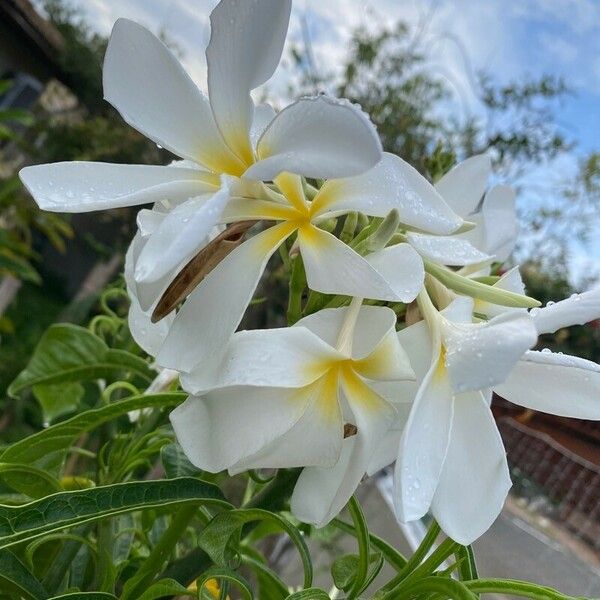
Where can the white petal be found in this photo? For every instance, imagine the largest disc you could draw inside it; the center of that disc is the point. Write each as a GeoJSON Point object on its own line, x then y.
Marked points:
{"type": "Point", "coordinates": [558, 384]}
{"type": "Point", "coordinates": [318, 137]}
{"type": "Point", "coordinates": [451, 251]}
{"type": "Point", "coordinates": [212, 312]}
{"type": "Point", "coordinates": [500, 225]}
{"type": "Point", "coordinates": [314, 440]}
{"type": "Point", "coordinates": [510, 281]}
{"type": "Point", "coordinates": [84, 186]}
{"type": "Point", "coordinates": [423, 446]}
{"type": "Point", "coordinates": [148, 86]}
{"type": "Point", "coordinates": [321, 493]}
{"type": "Point", "coordinates": [287, 357]}
{"type": "Point", "coordinates": [245, 46]}
{"type": "Point", "coordinates": [149, 336]}
{"type": "Point", "coordinates": [218, 430]}
{"type": "Point", "coordinates": [332, 267]}
{"type": "Point", "coordinates": [482, 355]}
{"type": "Point", "coordinates": [463, 186]}
{"type": "Point", "coordinates": [148, 221]}
{"type": "Point", "coordinates": [391, 184]}
{"type": "Point", "coordinates": [386, 451]}
{"type": "Point", "coordinates": [263, 115]}
{"type": "Point", "coordinates": [579, 309]}
{"type": "Point", "coordinates": [402, 267]}
{"type": "Point", "coordinates": [475, 479]}
{"type": "Point", "coordinates": [181, 234]}
{"type": "Point", "coordinates": [373, 325]}
{"type": "Point", "coordinates": [460, 310]}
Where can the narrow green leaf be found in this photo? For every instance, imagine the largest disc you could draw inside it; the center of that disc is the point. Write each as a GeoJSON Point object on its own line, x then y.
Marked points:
{"type": "Point", "coordinates": [221, 573]}
{"type": "Point", "coordinates": [362, 537]}
{"type": "Point", "coordinates": [270, 585]}
{"type": "Point", "coordinates": [68, 353]}
{"type": "Point", "coordinates": [468, 568]}
{"type": "Point", "coordinates": [513, 587]}
{"type": "Point", "coordinates": [53, 513]}
{"type": "Point", "coordinates": [309, 594]}
{"type": "Point", "coordinates": [15, 576]}
{"type": "Point", "coordinates": [217, 536]}
{"type": "Point", "coordinates": [450, 588]}
{"type": "Point", "coordinates": [166, 587]}
{"type": "Point", "coordinates": [85, 596]}
{"type": "Point", "coordinates": [391, 555]}
{"type": "Point", "coordinates": [58, 438]}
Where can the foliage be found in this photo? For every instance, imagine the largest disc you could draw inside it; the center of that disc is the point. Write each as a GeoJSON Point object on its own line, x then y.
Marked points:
{"type": "Point", "coordinates": [19, 217]}
{"type": "Point", "coordinates": [106, 504]}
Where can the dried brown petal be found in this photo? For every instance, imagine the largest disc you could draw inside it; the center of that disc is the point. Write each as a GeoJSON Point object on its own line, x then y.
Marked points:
{"type": "Point", "coordinates": [200, 266]}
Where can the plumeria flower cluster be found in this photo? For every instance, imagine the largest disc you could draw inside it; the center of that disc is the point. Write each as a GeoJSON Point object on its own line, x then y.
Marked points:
{"type": "Point", "coordinates": [407, 329]}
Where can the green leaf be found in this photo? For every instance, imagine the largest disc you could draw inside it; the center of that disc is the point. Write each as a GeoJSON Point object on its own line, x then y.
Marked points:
{"type": "Point", "coordinates": [343, 571]}
{"type": "Point", "coordinates": [18, 115]}
{"type": "Point", "coordinates": [15, 576]}
{"type": "Point", "coordinates": [449, 588]}
{"type": "Point", "coordinates": [53, 513]}
{"type": "Point", "coordinates": [68, 353]}
{"type": "Point", "coordinates": [176, 463]}
{"type": "Point", "coordinates": [362, 537]}
{"type": "Point", "coordinates": [468, 568]}
{"type": "Point", "coordinates": [37, 482]}
{"type": "Point", "coordinates": [391, 555]}
{"type": "Point", "coordinates": [166, 587]}
{"type": "Point", "coordinates": [309, 594]}
{"type": "Point", "coordinates": [269, 584]}
{"type": "Point", "coordinates": [50, 444]}
{"type": "Point", "coordinates": [85, 596]}
{"type": "Point", "coordinates": [216, 538]}
{"type": "Point", "coordinates": [58, 399]}
{"type": "Point", "coordinates": [228, 575]}
{"type": "Point", "coordinates": [513, 587]}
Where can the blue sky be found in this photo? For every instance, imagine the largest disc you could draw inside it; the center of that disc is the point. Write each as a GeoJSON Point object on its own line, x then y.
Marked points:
{"type": "Point", "coordinates": [507, 38]}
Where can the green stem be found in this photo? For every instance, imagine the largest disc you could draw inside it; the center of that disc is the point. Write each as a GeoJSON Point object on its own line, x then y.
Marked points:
{"type": "Point", "coordinates": [415, 560]}
{"type": "Point", "coordinates": [160, 553]}
{"type": "Point", "coordinates": [297, 285]}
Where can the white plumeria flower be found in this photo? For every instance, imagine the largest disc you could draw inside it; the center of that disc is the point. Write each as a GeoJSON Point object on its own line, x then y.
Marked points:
{"type": "Point", "coordinates": [288, 397]}
{"type": "Point", "coordinates": [553, 382]}
{"type": "Point", "coordinates": [223, 133]}
{"type": "Point", "coordinates": [450, 444]}
{"type": "Point", "coordinates": [495, 231]}
{"type": "Point", "coordinates": [213, 311]}
{"type": "Point", "coordinates": [474, 478]}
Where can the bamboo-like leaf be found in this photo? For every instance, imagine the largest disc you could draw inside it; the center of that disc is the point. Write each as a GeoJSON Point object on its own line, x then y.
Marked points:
{"type": "Point", "coordinates": [66, 509]}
